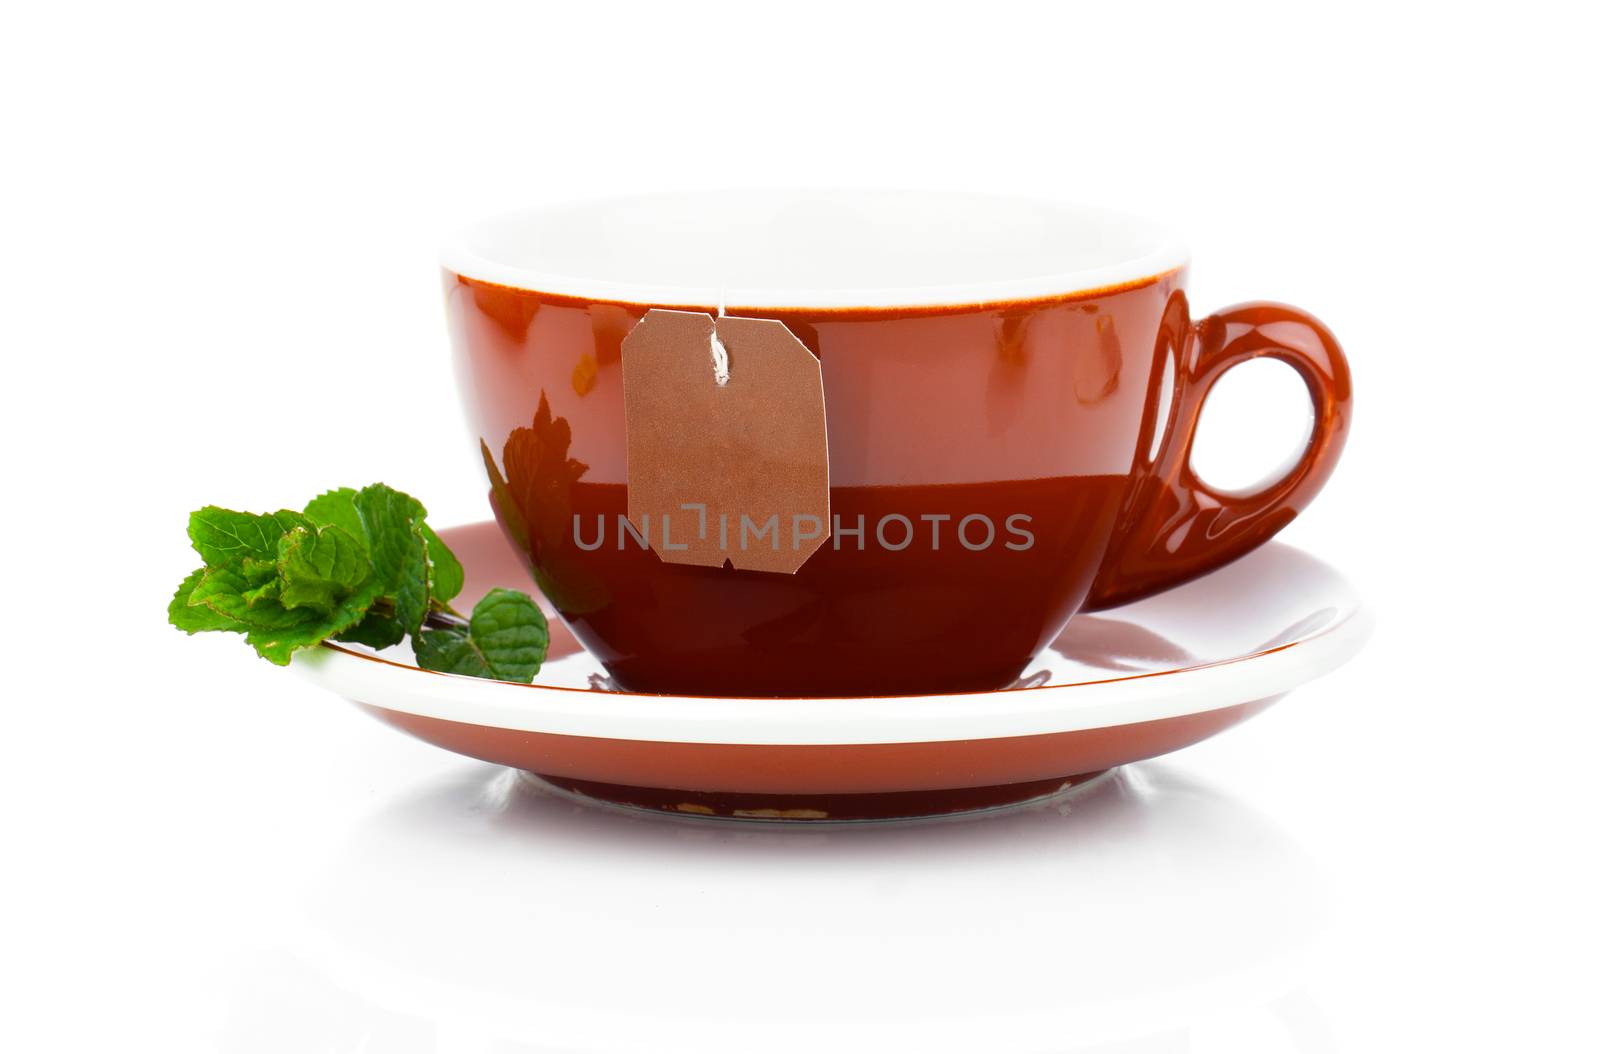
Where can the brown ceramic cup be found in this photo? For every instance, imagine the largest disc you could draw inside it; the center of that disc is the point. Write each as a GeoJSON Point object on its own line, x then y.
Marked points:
{"type": "Point", "coordinates": [1017, 382]}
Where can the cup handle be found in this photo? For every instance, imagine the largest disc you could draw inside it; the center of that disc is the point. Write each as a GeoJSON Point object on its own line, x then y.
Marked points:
{"type": "Point", "coordinates": [1174, 527]}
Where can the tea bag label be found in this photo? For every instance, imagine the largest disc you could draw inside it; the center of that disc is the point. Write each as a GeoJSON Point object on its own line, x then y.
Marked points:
{"type": "Point", "coordinates": [727, 441]}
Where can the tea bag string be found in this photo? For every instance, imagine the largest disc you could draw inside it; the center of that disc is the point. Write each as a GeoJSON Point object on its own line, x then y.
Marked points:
{"type": "Point", "coordinates": [719, 351]}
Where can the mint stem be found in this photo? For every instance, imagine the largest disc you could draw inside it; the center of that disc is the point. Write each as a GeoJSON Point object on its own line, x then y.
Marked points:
{"type": "Point", "coordinates": [437, 619]}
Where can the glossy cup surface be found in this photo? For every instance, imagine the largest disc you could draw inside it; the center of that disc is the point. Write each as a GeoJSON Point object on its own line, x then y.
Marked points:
{"type": "Point", "coordinates": [961, 424]}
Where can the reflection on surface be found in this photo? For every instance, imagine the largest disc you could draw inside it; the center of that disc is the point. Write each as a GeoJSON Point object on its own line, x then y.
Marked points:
{"type": "Point", "coordinates": [1275, 596]}
{"type": "Point", "coordinates": [1116, 644]}
{"type": "Point", "coordinates": [533, 500]}
{"type": "Point", "coordinates": [483, 913]}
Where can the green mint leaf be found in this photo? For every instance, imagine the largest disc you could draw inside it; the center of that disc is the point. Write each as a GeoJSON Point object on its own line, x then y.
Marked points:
{"type": "Point", "coordinates": [277, 643]}
{"type": "Point", "coordinates": [337, 508]}
{"type": "Point", "coordinates": [279, 647]}
{"type": "Point", "coordinates": [449, 651]}
{"type": "Point", "coordinates": [320, 566]}
{"type": "Point", "coordinates": [268, 590]}
{"type": "Point", "coordinates": [377, 630]}
{"type": "Point", "coordinates": [359, 566]}
{"type": "Point", "coordinates": [411, 591]}
{"type": "Point", "coordinates": [446, 576]}
{"type": "Point", "coordinates": [195, 618]}
{"type": "Point", "coordinates": [222, 536]}
{"type": "Point", "coordinates": [399, 553]}
{"type": "Point", "coordinates": [276, 631]}
{"type": "Point", "coordinates": [227, 592]}
{"type": "Point", "coordinates": [505, 640]}
{"type": "Point", "coordinates": [258, 571]}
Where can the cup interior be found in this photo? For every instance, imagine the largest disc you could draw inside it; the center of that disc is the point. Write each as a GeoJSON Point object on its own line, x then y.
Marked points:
{"type": "Point", "coordinates": [816, 249]}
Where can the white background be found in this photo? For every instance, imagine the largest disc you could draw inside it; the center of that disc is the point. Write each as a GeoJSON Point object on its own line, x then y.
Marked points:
{"type": "Point", "coordinates": [219, 286]}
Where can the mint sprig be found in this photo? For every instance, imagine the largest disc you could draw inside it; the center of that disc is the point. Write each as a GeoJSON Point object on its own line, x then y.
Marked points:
{"type": "Point", "coordinates": [355, 565]}
{"type": "Point", "coordinates": [505, 640]}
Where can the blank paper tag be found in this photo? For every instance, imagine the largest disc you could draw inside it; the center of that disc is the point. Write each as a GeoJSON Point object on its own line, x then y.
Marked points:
{"type": "Point", "coordinates": [725, 473]}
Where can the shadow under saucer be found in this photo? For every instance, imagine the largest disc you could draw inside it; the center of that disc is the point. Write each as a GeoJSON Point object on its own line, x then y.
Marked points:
{"type": "Point", "coordinates": [486, 913]}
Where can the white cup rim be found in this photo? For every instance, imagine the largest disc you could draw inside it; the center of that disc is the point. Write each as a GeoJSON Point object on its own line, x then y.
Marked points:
{"type": "Point", "coordinates": [815, 249]}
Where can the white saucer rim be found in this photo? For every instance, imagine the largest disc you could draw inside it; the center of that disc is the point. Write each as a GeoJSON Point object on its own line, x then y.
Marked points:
{"type": "Point", "coordinates": [1004, 714]}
